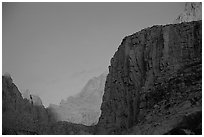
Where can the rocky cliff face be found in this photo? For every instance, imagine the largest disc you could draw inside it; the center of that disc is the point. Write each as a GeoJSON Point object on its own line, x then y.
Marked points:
{"type": "Point", "coordinates": [84, 108]}
{"type": "Point", "coordinates": [192, 12]}
{"type": "Point", "coordinates": [154, 86]}
{"type": "Point", "coordinates": [20, 116]}
{"type": "Point", "coordinates": [154, 77]}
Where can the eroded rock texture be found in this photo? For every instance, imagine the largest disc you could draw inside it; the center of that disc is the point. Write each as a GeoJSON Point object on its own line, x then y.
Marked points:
{"type": "Point", "coordinates": [19, 116]}
{"type": "Point", "coordinates": [83, 108]}
{"type": "Point", "coordinates": [154, 86]}
{"type": "Point", "coordinates": [192, 12]}
{"type": "Point", "coordinates": [22, 116]}
{"type": "Point", "coordinates": [154, 74]}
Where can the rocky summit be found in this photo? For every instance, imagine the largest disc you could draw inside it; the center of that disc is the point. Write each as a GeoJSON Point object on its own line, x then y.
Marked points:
{"type": "Point", "coordinates": [84, 107]}
{"type": "Point", "coordinates": [154, 85]}
{"type": "Point", "coordinates": [192, 12]}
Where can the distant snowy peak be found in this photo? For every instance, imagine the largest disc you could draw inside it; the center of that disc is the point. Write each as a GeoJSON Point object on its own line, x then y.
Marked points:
{"type": "Point", "coordinates": [192, 12]}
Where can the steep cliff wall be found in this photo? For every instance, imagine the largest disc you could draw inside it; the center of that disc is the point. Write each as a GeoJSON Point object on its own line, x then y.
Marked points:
{"type": "Point", "coordinates": [19, 116]}
{"type": "Point", "coordinates": [143, 60]}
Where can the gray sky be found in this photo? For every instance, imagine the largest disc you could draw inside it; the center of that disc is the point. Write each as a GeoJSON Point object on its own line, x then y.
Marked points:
{"type": "Point", "coordinates": [53, 49]}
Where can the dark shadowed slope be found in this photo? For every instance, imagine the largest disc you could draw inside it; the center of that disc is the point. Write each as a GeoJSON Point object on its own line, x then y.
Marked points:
{"type": "Point", "coordinates": [154, 86]}
{"type": "Point", "coordinates": [20, 116]}
{"type": "Point", "coordinates": [154, 82]}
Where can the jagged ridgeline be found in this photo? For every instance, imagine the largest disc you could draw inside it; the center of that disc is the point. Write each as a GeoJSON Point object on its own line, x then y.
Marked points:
{"type": "Point", "coordinates": [24, 116]}
{"type": "Point", "coordinates": [84, 107]}
{"type": "Point", "coordinates": [20, 116]}
{"type": "Point", "coordinates": [154, 82]}
{"type": "Point", "coordinates": [154, 86]}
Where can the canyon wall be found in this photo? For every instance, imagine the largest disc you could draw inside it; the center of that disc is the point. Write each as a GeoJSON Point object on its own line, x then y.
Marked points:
{"type": "Point", "coordinates": [135, 85]}
{"type": "Point", "coordinates": [154, 86]}
{"type": "Point", "coordinates": [20, 116]}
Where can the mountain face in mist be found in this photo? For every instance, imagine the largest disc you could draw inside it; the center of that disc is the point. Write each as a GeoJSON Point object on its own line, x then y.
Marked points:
{"type": "Point", "coordinates": [84, 108]}
{"type": "Point", "coordinates": [21, 116]}
{"type": "Point", "coordinates": [192, 12]}
{"type": "Point", "coordinates": [154, 85]}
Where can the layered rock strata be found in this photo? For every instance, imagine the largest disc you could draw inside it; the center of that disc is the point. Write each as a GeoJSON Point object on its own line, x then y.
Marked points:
{"type": "Point", "coordinates": [145, 60]}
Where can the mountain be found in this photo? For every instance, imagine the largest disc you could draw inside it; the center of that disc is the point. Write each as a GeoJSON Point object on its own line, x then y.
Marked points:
{"type": "Point", "coordinates": [154, 85]}
{"type": "Point", "coordinates": [192, 12]}
{"type": "Point", "coordinates": [20, 116]}
{"type": "Point", "coordinates": [83, 108]}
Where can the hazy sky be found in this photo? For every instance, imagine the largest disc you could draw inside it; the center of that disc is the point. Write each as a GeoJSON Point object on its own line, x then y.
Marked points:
{"type": "Point", "coordinates": [53, 49]}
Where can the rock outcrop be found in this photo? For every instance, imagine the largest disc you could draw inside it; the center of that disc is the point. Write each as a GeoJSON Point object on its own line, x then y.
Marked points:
{"type": "Point", "coordinates": [19, 116]}
{"type": "Point", "coordinates": [83, 108]}
{"type": "Point", "coordinates": [33, 99]}
{"type": "Point", "coordinates": [192, 12]}
{"type": "Point", "coordinates": [154, 82]}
